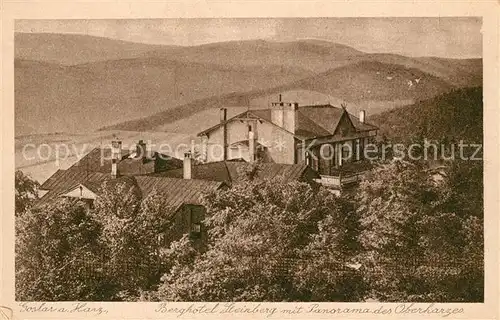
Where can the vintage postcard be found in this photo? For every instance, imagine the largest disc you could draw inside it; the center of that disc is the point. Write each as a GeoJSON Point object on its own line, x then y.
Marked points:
{"type": "Point", "coordinates": [294, 160]}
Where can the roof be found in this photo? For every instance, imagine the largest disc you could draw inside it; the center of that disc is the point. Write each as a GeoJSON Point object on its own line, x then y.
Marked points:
{"type": "Point", "coordinates": [261, 114]}
{"type": "Point", "coordinates": [177, 191]}
{"type": "Point", "coordinates": [53, 180]}
{"type": "Point", "coordinates": [325, 116]}
{"type": "Point", "coordinates": [65, 180]}
{"type": "Point", "coordinates": [81, 190]}
{"type": "Point", "coordinates": [305, 127]}
{"type": "Point", "coordinates": [233, 171]}
{"type": "Point", "coordinates": [92, 185]}
{"type": "Point", "coordinates": [99, 160]}
{"type": "Point", "coordinates": [310, 121]}
{"type": "Point", "coordinates": [326, 119]}
{"type": "Point", "coordinates": [214, 171]}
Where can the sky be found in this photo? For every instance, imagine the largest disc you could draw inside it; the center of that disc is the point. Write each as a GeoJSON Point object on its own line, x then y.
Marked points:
{"type": "Point", "coordinates": [451, 37]}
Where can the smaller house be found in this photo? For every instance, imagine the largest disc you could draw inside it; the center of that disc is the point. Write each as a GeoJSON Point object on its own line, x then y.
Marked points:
{"type": "Point", "coordinates": [182, 196]}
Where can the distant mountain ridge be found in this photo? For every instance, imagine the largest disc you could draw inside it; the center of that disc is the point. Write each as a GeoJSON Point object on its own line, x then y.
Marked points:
{"type": "Point", "coordinates": [71, 49]}
{"type": "Point", "coordinates": [86, 97]}
{"type": "Point", "coordinates": [357, 86]}
{"type": "Point", "coordinates": [78, 83]}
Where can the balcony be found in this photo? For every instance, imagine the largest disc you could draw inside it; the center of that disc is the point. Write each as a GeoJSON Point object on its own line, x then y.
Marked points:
{"type": "Point", "coordinates": [345, 176]}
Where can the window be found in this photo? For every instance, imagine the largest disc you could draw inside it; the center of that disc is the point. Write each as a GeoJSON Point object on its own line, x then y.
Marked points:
{"type": "Point", "coordinates": [195, 218]}
{"type": "Point", "coordinates": [346, 152]}
{"type": "Point", "coordinates": [195, 230]}
{"type": "Point", "coordinates": [356, 150]}
{"type": "Point", "coordinates": [314, 159]}
{"type": "Point", "coordinates": [196, 227]}
{"type": "Point", "coordinates": [361, 148]}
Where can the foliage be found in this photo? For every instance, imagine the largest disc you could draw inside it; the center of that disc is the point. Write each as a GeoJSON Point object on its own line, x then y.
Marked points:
{"type": "Point", "coordinates": [456, 115]}
{"type": "Point", "coordinates": [130, 229]}
{"type": "Point", "coordinates": [263, 238]}
{"type": "Point", "coordinates": [421, 240]}
{"type": "Point", "coordinates": [66, 251]}
{"type": "Point", "coordinates": [48, 242]}
{"type": "Point", "coordinates": [408, 233]}
{"type": "Point", "coordinates": [26, 191]}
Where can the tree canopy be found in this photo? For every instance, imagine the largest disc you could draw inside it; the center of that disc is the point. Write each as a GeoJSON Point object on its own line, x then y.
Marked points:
{"type": "Point", "coordinates": [26, 191]}
{"type": "Point", "coordinates": [67, 251]}
{"type": "Point", "coordinates": [408, 232]}
{"type": "Point", "coordinates": [269, 241]}
{"type": "Point", "coordinates": [422, 240]}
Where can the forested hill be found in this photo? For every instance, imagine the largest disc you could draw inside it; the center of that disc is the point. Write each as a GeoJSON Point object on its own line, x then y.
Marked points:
{"type": "Point", "coordinates": [453, 116]}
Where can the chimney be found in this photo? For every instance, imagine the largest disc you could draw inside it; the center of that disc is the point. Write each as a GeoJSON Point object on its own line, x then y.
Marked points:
{"type": "Point", "coordinates": [140, 150]}
{"type": "Point", "coordinates": [223, 119]}
{"type": "Point", "coordinates": [204, 147]}
{"type": "Point", "coordinates": [116, 155]}
{"type": "Point", "coordinates": [251, 146]}
{"type": "Point", "coordinates": [188, 166]}
{"type": "Point", "coordinates": [289, 116]}
{"type": "Point", "coordinates": [283, 114]}
{"type": "Point", "coordinates": [277, 112]}
{"type": "Point", "coordinates": [362, 115]}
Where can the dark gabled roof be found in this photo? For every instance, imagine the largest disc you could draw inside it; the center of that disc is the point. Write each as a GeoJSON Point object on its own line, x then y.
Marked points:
{"type": "Point", "coordinates": [307, 128]}
{"type": "Point", "coordinates": [176, 191]}
{"type": "Point", "coordinates": [233, 171]}
{"type": "Point", "coordinates": [64, 180]}
{"type": "Point", "coordinates": [92, 185]}
{"type": "Point", "coordinates": [325, 116]}
{"type": "Point", "coordinates": [310, 121]}
{"type": "Point", "coordinates": [328, 117]}
{"type": "Point", "coordinates": [99, 160]}
{"type": "Point", "coordinates": [52, 180]}
{"type": "Point", "coordinates": [361, 126]}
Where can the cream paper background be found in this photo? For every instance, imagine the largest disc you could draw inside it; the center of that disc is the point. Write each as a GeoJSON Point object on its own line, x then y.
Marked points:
{"type": "Point", "coordinates": [488, 10]}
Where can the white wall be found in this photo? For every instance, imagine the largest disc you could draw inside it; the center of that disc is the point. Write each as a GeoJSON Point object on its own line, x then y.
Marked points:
{"type": "Point", "coordinates": [280, 143]}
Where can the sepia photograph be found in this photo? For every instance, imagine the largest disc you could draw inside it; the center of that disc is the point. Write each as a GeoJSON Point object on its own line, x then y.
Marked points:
{"type": "Point", "coordinates": [335, 159]}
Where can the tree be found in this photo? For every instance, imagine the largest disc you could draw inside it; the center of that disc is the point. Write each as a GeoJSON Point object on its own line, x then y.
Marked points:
{"type": "Point", "coordinates": [130, 229]}
{"type": "Point", "coordinates": [66, 251]}
{"type": "Point", "coordinates": [56, 251]}
{"type": "Point", "coordinates": [26, 191]}
{"type": "Point", "coordinates": [263, 238]}
{"type": "Point", "coordinates": [418, 245]}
